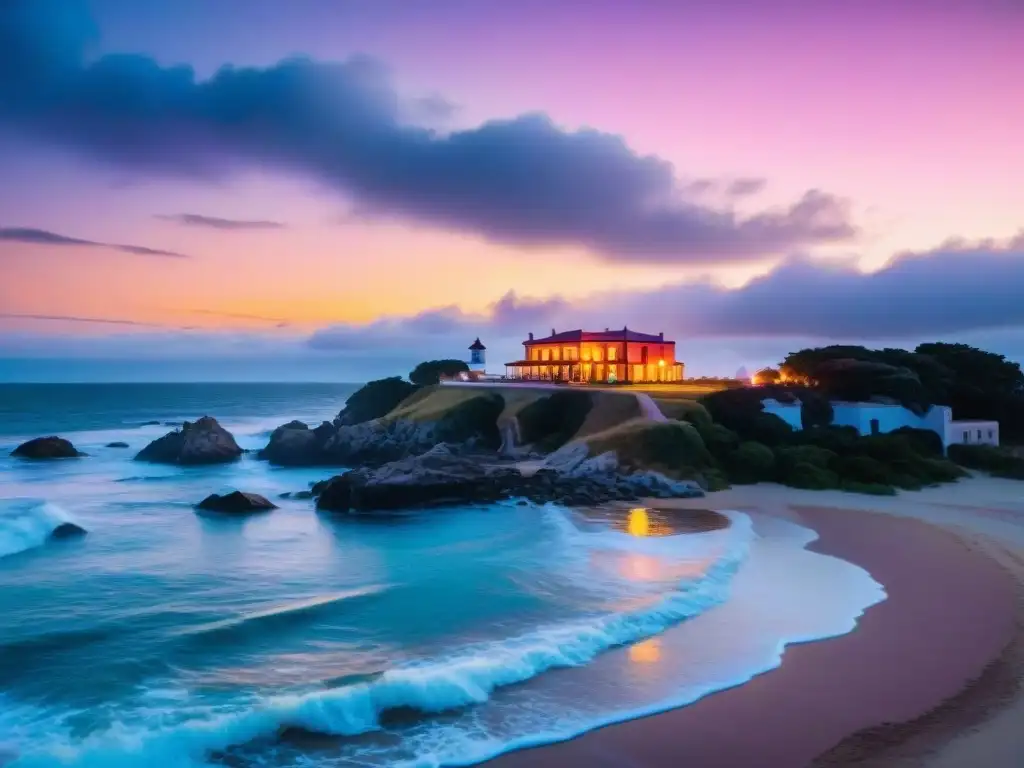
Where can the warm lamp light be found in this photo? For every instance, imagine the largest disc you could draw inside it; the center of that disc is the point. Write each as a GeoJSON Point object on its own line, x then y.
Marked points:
{"type": "Point", "coordinates": [661, 363]}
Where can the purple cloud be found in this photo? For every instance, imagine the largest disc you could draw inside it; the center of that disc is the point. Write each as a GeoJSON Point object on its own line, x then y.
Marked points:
{"type": "Point", "coordinates": [31, 236]}
{"type": "Point", "coordinates": [954, 289]}
{"type": "Point", "coordinates": [214, 222]}
{"type": "Point", "coordinates": [523, 181]}
{"type": "Point", "coordinates": [745, 187]}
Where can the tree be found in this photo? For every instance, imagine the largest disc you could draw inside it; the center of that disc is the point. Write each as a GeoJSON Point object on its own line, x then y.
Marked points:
{"type": "Point", "coordinates": [431, 371]}
{"type": "Point", "coordinates": [984, 385]}
{"type": "Point", "coordinates": [375, 399]}
{"type": "Point", "coordinates": [767, 376]}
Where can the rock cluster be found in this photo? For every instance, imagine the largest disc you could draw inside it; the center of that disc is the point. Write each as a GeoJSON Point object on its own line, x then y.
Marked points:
{"type": "Point", "coordinates": [199, 442]}
{"type": "Point", "coordinates": [442, 477]}
{"type": "Point", "coordinates": [373, 442]}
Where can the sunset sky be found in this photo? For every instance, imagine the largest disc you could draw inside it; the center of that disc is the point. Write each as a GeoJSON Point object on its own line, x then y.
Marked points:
{"type": "Point", "coordinates": [374, 182]}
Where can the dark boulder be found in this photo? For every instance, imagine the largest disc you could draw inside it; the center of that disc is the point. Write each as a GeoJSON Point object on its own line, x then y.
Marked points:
{"type": "Point", "coordinates": [67, 531]}
{"type": "Point", "coordinates": [117, 444]}
{"type": "Point", "coordinates": [295, 444]}
{"type": "Point", "coordinates": [199, 442]}
{"type": "Point", "coordinates": [236, 502]}
{"type": "Point", "coordinates": [47, 448]}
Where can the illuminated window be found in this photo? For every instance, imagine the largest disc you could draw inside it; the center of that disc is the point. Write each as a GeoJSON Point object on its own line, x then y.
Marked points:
{"type": "Point", "coordinates": [545, 354]}
{"type": "Point", "coordinates": [556, 353]}
{"type": "Point", "coordinates": [535, 354]}
{"type": "Point", "coordinates": [597, 353]}
{"type": "Point", "coordinates": [586, 353]}
{"type": "Point", "coordinates": [612, 353]}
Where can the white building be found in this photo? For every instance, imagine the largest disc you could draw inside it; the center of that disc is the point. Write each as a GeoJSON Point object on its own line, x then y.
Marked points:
{"type": "Point", "coordinates": [878, 418]}
{"type": "Point", "coordinates": [477, 357]}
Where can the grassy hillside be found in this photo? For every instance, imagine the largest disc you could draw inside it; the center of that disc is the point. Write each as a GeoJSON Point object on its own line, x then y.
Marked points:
{"type": "Point", "coordinates": [607, 409]}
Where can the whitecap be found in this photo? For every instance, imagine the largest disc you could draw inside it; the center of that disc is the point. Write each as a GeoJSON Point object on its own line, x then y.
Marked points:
{"type": "Point", "coordinates": [28, 523]}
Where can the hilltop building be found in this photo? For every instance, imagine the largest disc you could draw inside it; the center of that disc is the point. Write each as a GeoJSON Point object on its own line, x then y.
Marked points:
{"type": "Point", "coordinates": [600, 356]}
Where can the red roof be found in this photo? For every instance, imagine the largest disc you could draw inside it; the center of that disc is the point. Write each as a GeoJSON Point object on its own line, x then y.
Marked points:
{"type": "Point", "coordinates": [477, 345]}
{"type": "Point", "coordinates": [581, 335]}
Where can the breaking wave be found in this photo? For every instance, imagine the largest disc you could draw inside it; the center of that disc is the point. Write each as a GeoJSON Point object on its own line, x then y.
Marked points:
{"type": "Point", "coordinates": [28, 523]}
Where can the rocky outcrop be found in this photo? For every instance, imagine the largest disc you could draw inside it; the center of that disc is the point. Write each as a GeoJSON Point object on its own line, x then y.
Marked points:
{"type": "Point", "coordinates": [236, 502]}
{"type": "Point", "coordinates": [47, 448]}
{"type": "Point", "coordinates": [441, 477]}
{"type": "Point", "coordinates": [469, 426]}
{"type": "Point", "coordinates": [67, 531]}
{"type": "Point", "coordinates": [199, 442]}
{"type": "Point", "coordinates": [118, 444]}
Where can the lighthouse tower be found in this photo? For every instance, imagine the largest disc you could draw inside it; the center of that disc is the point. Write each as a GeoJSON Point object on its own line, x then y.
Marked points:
{"type": "Point", "coordinates": [477, 357]}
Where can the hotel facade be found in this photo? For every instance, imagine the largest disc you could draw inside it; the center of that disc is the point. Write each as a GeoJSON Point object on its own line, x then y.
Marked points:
{"type": "Point", "coordinates": [622, 356]}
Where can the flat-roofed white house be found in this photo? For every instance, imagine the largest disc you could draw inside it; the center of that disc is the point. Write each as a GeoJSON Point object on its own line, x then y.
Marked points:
{"type": "Point", "coordinates": [879, 418]}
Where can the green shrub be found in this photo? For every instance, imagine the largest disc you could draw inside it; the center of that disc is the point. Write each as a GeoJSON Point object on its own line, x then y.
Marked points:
{"type": "Point", "coordinates": [721, 441]}
{"type": "Point", "coordinates": [924, 441]}
{"type": "Point", "coordinates": [550, 422]}
{"type": "Point", "coordinates": [988, 458]}
{"type": "Point", "coordinates": [839, 440]}
{"type": "Point", "coordinates": [431, 371]}
{"type": "Point", "coordinates": [673, 447]}
{"type": "Point", "coordinates": [940, 470]}
{"type": "Point", "coordinates": [769, 429]}
{"type": "Point", "coordinates": [810, 477]}
{"type": "Point", "coordinates": [887, 448]}
{"type": "Point", "coordinates": [693, 412]}
{"type": "Point", "coordinates": [872, 489]}
{"type": "Point", "coordinates": [735, 408]}
{"type": "Point", "coordinates": [715, 480]}
{"type": "Point", "coordinates": [476, 417]}
{"type": "Point", "coordinates": [863, 470]}
{"type": "Point", "coordinates": [751, 462]}
{"type": "Point", "coordinates": [789, 456]}
{"type": "Point", "coordinates": [375, 399]}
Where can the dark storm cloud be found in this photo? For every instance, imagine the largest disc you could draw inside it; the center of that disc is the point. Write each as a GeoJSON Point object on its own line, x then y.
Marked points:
{"type": "Point", "coordinates": [214, 222]}
{"type": "Point", "coordinates": [955, 289]}
{"type": "Point", "coordinates": [523, 181]}
{"type": "Point", "coordinates": [43, 237]}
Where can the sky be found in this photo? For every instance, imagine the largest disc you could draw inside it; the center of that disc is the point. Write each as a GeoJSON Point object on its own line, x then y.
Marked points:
{"type": "Point", "coordinates": [332, 190]}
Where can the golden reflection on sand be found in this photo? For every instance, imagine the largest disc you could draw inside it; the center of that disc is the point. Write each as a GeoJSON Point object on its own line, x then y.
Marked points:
{"type": "Point", "coordinates": [647, 652]}
{"type": "Point", "coordinates": [638, 523]}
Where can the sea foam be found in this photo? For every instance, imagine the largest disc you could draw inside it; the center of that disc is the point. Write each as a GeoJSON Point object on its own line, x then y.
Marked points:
{"type": "Point", "coordinates": [28, 523]}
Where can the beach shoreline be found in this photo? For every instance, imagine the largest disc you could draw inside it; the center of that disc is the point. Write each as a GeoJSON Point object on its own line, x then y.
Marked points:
{"type": "Point", "coordinates": [941, 657]}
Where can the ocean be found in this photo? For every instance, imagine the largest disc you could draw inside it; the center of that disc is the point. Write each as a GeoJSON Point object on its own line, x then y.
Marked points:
{"type": "Point", "coordinates": [169, 638]}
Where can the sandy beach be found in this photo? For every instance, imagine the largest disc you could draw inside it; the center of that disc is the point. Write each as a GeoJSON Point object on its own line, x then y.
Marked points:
{"type": "Point", "coordinates": [930, 677]}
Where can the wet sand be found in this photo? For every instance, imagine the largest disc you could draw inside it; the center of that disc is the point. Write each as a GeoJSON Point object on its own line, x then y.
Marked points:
{"type": "Point", "coordinates": [936, 658]}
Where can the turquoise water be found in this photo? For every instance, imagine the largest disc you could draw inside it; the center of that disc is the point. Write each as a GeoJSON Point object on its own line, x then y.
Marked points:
{"type": "Point", "coordinates": [169, 638]}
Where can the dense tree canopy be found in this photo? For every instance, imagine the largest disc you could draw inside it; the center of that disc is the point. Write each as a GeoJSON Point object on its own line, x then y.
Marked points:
{"type": "Point", "coordinates": [431, 371]}
{"type": "Point", "coordinates": [975, 383]}
{"type": "Point", "coordinates": [375, 399]}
